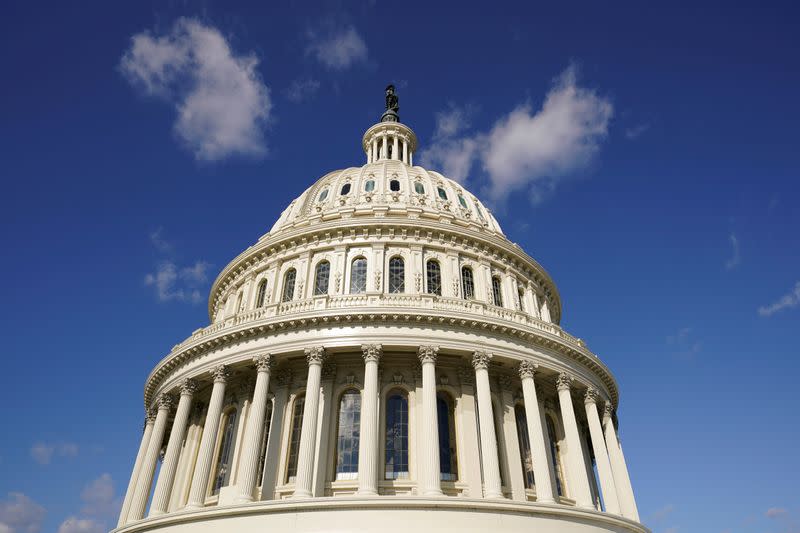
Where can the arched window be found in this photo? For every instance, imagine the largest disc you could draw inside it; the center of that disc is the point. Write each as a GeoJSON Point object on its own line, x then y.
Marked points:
{"type": "Point", "coordinates": [555, 454]}
{"type": "Point", "coordinates": [358, 276]}
{"type": "Point", "coordinates": [261, 293]}
{"type": "Point", "coordinates": [467, 283]}
{"type": "Point", "coordinates": [396, 465]}
{"type": "Point", "coordinates": [294, 438]}
{"type": "Point", "coordinates": [419, 188]}
{"type": "Point", "coordinates": [369, 186]}
{"type": "Point", "coordinates": [497, 292]}
{"type": "Point", "coordinates": [394, 185]}
{"type": "Point", "coordinates": [262, 456]}
{"type": "Point", "coordinates": [442, 193]}
{"type": "Point", "coordinates": [434, 277]}
{"type": "Point", "coordinates": [524, 445]}
{"type": "Point", "coordinates": [448, 456]}
{"type": "Point", "coordinates": [397, 275]}
{"type": "Point", "coordinates": [323, 195]}
{"type": "Point", "coordinates": [345, 189]}
{"type": "Point", "coordinates": [348, 435]}
{"type": "Point", "coordinates": [480, 212]}
{"type": "Point", "coordinates": [521, 299]}
{"type": "Point", "coordinates": [462, 201]}
{"type": "Point", "coordinates": [222, 470]}
{"type": "Point", "coordinates": [288, 285]}
{"type": "Point", "coordinates": [322, 278]}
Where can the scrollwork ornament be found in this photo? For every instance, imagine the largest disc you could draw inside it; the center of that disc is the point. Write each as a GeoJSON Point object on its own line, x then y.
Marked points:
{"type": "Point", "coordinates": [220, 373]}
{"type": "Point", "coordinates": [263, 362]}
{"type": "Point", "coordinates": [378, 276]}
{"type": "Point", "coordinates": [188, 387]}
{"type": "Point", "coordinates": [315, 355]}
{"type": "Point", "coordinates": [480, 360]}
{"type": "Point", "coordinates": [428, 354]}
{"type": "Point", "coordinates": [527, 369]}
{"type": "Point", "coordinates": [372, 352]}
{"type": "Point", "coordinates": [164, 402]}
{"type": "Point", "coordinates": [564, 381]}
{"type": "Point", "coordinates": [150, 417]}
{"type": "Point", "coordinates": [590, 396]}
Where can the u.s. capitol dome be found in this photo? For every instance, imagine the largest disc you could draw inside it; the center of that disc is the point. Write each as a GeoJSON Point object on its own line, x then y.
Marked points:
{"type": "Point", "coordinates": [384, 359]}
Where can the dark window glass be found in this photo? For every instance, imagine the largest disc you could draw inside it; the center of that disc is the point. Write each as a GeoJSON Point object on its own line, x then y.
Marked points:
{"type": "Point", "coordinates": [397, 275]}
{"type": "Point", "coordinates": [480, 212]}
{"type": "Point", "coordinates": [554, 454]}
{"type": "Point", "coordinates": [462, 201]}
{"type": "Point", "coordinates": [434, 277]}
{"type": "Point", "coordinates": [467, 283]}
{"type": "Point", "coordinates": [323, 195]}
{"type": "Point", "coordinates": [358, 276]}
{"type": "Point", "coordinates": [369, 186]}
{"type": "Point", "coordinates": [521, 299]}
{"type": "Point", "coordinates": [448, 458]}
{"type": "Point", "coordinates": [322, 278]}
{"type": "Point", "coordinates": [222, 472]}
{"type": "Point", "coordinates": [419, 187]}
{"type": "Point", "coordinates": [394, 185]}
{"type": "Point", "coordinates": [288, 285]}
{"type": "Point", "coordinates": [294, 438]}
{"type": "Point", "coordinates": [396, 466]}
{"type": "Point", "coordinates": [261, 294]}
{"type": "Point", "coordinates": [497, 292]}
{"type": "Point", "coordinates": [348, 435]}
{"type": "Point", "coordinates": [524, 445]}
{"type": "Point", "coordinates": [345, 189]}
{"type": "Point", "coordinates": [262, 457]}
{"type": "Point", "coordinates": [442, 193]}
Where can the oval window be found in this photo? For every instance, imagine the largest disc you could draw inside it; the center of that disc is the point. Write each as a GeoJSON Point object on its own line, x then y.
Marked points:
{"type": "Point", "coordinates": [345, 189]}
{"type": "Point", "coordinates": [394, 185]}
{"type": "Point", "coordinates": [442, 193]}
{"type": "Point", "coordinates": [369, 186]}
{"type": "Point", "coordinates": [462, 201]}
{"type": "Point", "coordinates": [323, 195]}
{"type": "Point", "coordinates": [419, 187]}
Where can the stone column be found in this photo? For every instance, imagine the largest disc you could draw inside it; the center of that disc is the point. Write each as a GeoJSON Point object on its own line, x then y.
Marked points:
{"type": "Point", "coordinates": [255, 430]}
{"type": "Point", "coordinates": [469, 433]}
{"type": "Point", "coordinates": [430, 478]}
{"type": "Point", "coordinates": [541, 460]}
{"type": "Point", "coordinates": [384, 146]}
{"type": "Point", "coordinates": [508, 440]}
{"type": "Point", "coordinates": [580, 485]}
{"type": "Point", "coordinates": [305, 457]}
{"type": "Point", "coordinates": [150, 420]}
{"type": "Point", "coordinates": [619, 470]}
{"type": "Point", "coordinates": [268, 481]}
{"type": "Point", "coordinates": [405, 151]}
{"type": "Point", "coordinates": [491, 465]}
{"type": "Point", "coordinates": [202, 469]}
{"type": "Point", "coordinates": [145, 478]}
{"type": "Point", "coordinates": [395, 148]}
{"type": "Point", "coordinates": [601, 458]}
{"type": "Point", "coordinates": [368, 441]}
{"type": "Point", "coordinates": [166, 477]}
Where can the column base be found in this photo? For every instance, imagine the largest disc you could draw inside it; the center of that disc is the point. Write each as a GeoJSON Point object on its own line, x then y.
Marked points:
{"type": "Point", "coordinates": [433, 492]}
{"type": "Point", "coordinates": [243, 499]}
{"type": "Point", "coordinates": [367, 492]}
{"type": "Point", "coordinates": [156, 512]}
{"type": "Point", "coordinates": [302, 495]}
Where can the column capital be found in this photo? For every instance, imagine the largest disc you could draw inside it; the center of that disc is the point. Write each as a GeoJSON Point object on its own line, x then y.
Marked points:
{"type": "Point", "coordinates": [220, 373]}
{"type": "Point", "coordinates": [264, 362]}
{"type": "Point", "coordinates": [480, 360]}
{"type": "Point", "coordinates": [428, 354]}
{"type": "Point", "coordinates": [150, 417]}
{"type": "Point", "coordinates": [188, 387]}
{"type": "Point", "coordinates": [527, 369]}
{"type": "Point", "coordinates": [590, 396]}
{"type": "Point", "coordinates": [315, 355]}
{"type": "Point", "coordinates": [564, 381]}
{"type": "Point", "coordinates": [608, 411]}
{"type": "Point", "coordinates": [164, 402]}
{"type": "Point", "coordinates": [372, 352]}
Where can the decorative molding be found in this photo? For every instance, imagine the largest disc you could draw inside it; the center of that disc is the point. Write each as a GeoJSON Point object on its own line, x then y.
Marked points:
{"type": "Point", "coordinates": [428, 354]}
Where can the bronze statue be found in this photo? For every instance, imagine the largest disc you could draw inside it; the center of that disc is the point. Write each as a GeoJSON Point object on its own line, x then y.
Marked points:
{"type": "Point", "coordinates": [392, 103]}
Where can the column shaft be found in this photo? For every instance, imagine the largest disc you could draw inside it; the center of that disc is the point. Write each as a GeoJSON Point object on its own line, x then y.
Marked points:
{"type": "Point", "coordinates": [619, 469]}
{"type": "Point", "coordinates": [541, 459]}
{"type": "Point", "coordinates": [607, 484]}
{"type": "Point", "coordinates": [368, 440]}
{"type": "Point", "coordinates": [126, 504]}
{"type": "Point", "coordinates": [430, 478]}
{"type": "Point", "coordinates": [166, 476]}
{"type": "Point", "coordinates": [491, 465]}
{"type": "Point", "coordinates": [202, 469]}
{"type": "Point", "coordinates": [395, 148]}
{"type": "Point", "coordinates": [255, 431]}
{"type": "Point", "coordinates": [145, 478]}
{"type": "Point", "coordinates": [308, 435]}
{"type": "Point", "coordinates": [581, 491]}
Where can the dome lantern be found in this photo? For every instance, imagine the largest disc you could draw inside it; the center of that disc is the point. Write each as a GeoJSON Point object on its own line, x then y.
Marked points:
{"type": "Point", "coordinates": [390, 139]}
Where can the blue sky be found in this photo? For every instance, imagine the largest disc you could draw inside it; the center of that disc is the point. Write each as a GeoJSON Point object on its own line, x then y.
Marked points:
{"type": "Point", "coordinates": [652, 170]}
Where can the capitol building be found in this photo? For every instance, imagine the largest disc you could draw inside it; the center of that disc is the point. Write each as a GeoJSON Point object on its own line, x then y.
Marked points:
{"type": "Point", "coordinates": [384, 360]}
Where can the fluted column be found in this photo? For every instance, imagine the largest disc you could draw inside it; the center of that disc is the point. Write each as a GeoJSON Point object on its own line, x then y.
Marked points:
{"type": "Point", "coordinates": [305, 457]}
{"type": "Point", "coordinates": [395, 148]}
{"type": "Point", "coordinates": [202, 469]}
{"type": "Point", "coordinates": [619, 469]}
{"type": "Point", "coordinates": [491, 465]}
{"type": "Point", "coordinates": [254, 431]}
{"type": "Point", "coordinates": [126, 504]}
{"type": "Point", "coordinates": [582, 493]}
{"type": "Point", "coordinates": [166, 476]}
{"type": "Point", "coordinates": [368, 441]}
{"type": "Point", "coordinates": [145, 479]}
{"type": "Point", "coordinates": [430, 477]}
{"type": "Point", "coordinates": [541, 460]}
{"type": "Point", "coordinates": [405, 151]}
{"type": "Point", "coordinates": [607, 484]}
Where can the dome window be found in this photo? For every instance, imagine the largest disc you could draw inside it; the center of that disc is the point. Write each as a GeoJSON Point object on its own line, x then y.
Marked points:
{"type": "Point", "coordinates": [419, 188]}
{"type": "Point", "coordinates": [323, 195]}
{"type": "Point", "coordinates": [345, 189]}
{"type": "Point", "coordinates": [442, 193]}
{"type": "Point", "coordinates": [462, 202]}
{"type": "Point", "coordinates": [369, 186]}
{"type": "Point", "coordinates": [394, 185]}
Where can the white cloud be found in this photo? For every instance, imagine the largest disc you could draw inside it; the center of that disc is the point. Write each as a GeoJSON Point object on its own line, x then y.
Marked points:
{"type": "Point", "coordinates": [99, 497]}
{"type": "Point", "coordinates": [787, 301]}
{"type": "Point", "coordinates": [774, 512]}
{"type": "Point", "coordinates": [302, 90]}
{"type": "Point", "coordinates": [173, 283]}
{"type": "Point", "coordinates": [74, 524]}
{"type": "Point", "coordinates": [736, 257]}
{"type": "Point", "coordinates": [684, 344]}
{"type": "Point", "coordinates": [452, 154]}
{"type": "Point", "coordinates": [221, 101]}
{"type": "Point", "coordinates": [526, 149]}
{"type": "Point", "coordinates": [20, 514]}
{"type": "Point", "coordinates": [636, 131]}
{"type": "Point", "coordinates": [337, 49]}
{"type": "Point", "coordinates": [159, 243]}
{"type": "Point", "coordinates": [43, 452]}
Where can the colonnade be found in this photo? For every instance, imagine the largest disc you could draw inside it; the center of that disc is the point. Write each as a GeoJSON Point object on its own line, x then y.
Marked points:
{"type": "Point", "coordinates": [378, 148]}
{"type": "Point", "coordinates": [615, 484]}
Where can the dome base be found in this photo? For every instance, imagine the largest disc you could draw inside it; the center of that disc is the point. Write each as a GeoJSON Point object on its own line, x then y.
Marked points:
{"type": "Point", "coordinates": [388, 515]}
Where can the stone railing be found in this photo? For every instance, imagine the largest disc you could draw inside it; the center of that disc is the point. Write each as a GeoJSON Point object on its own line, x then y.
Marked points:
{"type": "Point", "coordinates": [377, 302]}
